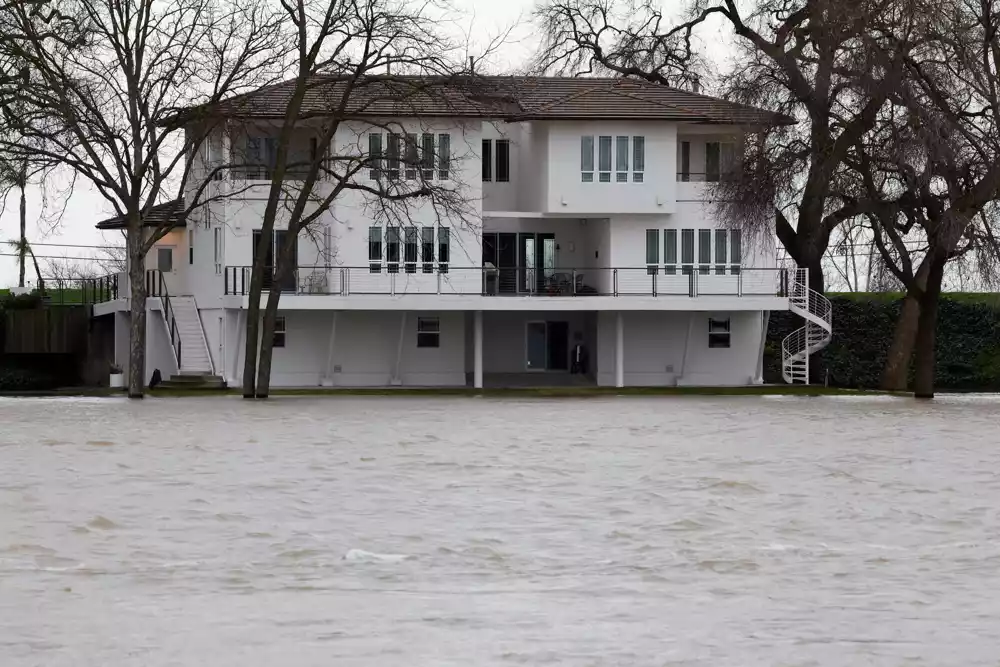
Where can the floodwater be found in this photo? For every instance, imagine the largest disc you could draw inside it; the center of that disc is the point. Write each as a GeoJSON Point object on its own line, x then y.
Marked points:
{"type": "Point", "coordinates": [724, 531]}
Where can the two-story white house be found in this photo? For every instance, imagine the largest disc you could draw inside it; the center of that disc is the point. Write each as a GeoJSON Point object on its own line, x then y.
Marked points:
{"type": "Point", "coordinates": [591, 254]}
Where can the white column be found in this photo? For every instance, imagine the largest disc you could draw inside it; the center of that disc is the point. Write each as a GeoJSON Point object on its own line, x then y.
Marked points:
{"type": "Point", "coordinates": [477, 357]}
{"type": "Point", "coordinates": [328, 375]}
{"type": "Point", "coordinates": [396, 377]}
{"type": "Point", "coordinates": [619, 350]}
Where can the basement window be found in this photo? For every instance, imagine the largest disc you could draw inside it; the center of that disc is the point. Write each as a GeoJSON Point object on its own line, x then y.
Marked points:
{"type": "Point", "coordinates": [718, 332]}
{"type": "Point", "coordinates": [428, 332]}
{"type": "Point", "coordinates": [279, 332]}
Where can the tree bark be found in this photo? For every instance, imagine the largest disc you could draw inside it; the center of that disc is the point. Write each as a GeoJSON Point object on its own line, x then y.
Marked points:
{"type": "Point", "coordinates": [23, 247]}
{"type": "Point", "coordinates": [267, 340]}
{"type": "Point", "coordinates": [923, 377]}
{"type": "Point", "coordinates": [897, 364]}
{"type": "Point", "coordinates": [137, 314]}
{"type": "Point", "coordinates": [253, 325]}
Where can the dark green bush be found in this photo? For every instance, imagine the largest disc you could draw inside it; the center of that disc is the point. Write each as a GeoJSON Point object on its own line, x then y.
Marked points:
{"type": "Point", "coordinates": [968, 342]}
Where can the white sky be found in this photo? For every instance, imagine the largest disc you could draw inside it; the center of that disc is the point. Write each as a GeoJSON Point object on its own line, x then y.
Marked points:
{"type": "Point", "coordinates": [485, 19]}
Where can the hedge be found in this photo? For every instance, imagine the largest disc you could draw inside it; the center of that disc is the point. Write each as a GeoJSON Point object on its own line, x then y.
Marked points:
{"type": "Point", "coordinates": [968, 341]}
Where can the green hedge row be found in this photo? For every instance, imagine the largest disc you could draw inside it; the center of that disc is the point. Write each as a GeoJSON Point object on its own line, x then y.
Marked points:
{"type": "Point", "coordinates": [968, 341]}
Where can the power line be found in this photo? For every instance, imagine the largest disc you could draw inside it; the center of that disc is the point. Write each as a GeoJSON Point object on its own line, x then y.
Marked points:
{"type": "Point", "coordinates": [83, 259]}
{"type": "Point", "coordinates": [71, 245]}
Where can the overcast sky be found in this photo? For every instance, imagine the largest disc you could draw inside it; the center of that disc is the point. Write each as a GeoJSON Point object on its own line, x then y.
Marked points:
{"type": "Point", "coordinates": [485, 20]}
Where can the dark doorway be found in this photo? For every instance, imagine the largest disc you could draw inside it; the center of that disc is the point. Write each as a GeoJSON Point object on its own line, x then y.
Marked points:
{"type": "Point", "coordinates": [273, 248]}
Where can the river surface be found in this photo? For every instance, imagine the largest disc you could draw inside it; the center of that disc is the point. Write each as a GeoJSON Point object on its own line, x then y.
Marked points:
{"type": "Point", "coordinates": [716, 531]}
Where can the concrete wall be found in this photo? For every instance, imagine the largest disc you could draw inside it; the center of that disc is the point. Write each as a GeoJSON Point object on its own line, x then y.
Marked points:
{"type": "Point", "coordinates": [365, 350]}
{"type": "Point", "coordinates": [663, 349]}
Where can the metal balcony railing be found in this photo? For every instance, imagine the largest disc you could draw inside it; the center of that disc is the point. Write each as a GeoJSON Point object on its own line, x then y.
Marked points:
{"type": "Point", "coordinates": [402, 278]}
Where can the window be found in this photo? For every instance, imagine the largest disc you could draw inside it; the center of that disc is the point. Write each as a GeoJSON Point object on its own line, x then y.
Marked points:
{"type": "Point", "coordinates": [217, 250]}
{"type": "Point", "coordinates": [638, 158]}
{"type": "Point", "coordinates": [503, 160]}
{"type": "Point", "coordinates": [621, 159]}
{"type": "Point", "coordinates": [652, 250]}
{"type": "Point", "coordinates": [704, 251]}
{"type": "Point", "coordinates": [721, 237]}
{"type": "Point", "coordinates": [444, 249]}
{"type": "Point", "coordinates": [191, 239]}
{"type": "Point", "coordinates": [712, 165]}
{"type": "Point", "coordinates": [392, 156]}
{"type": "Point", "coordinates": [727, 158]}
{"type": "Point", "coordinates": [410, 249]}
{"type": "Point", "coordinates": [587, 159]}
{"type": "Point", "coordinates": [427, 156]}
{"type": "Point", "coordinates": [685, 161]}
{"type": "Point", "coordinates": [392, 249]}
{"type": "Point", "coordinates": [718, 332]}
{"type": "Point", "coordinates": [375, 155]}
{"type": "Point", "coordinates": [687, 250]}
{"type": "Point", "coordinates": [427, 249]}
{"type": "Point", "coordinates": [670, 251]}
{"type": "Point", "coordinates": [428, 332]}
{"type": "Point", "coordinates": [279, 332]}
{"type": "Point", "coordinates": [374, 249]}
{"type": "Point", "coordinates": [165, 259]}
{"type": "Point", "coordinates": [604, 159]}
{"type": "Point", "coordinates": [487, 160]}
{"type": "Point", "coordinates": [411, 160]}
{"type": "Point", "coordinates": [444, 155]}
{"type": "Point", "coordinates": [735, 250]}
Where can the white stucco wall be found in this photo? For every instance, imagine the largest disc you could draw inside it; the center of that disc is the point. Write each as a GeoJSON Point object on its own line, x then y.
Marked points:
{"type": "Point", "coordinates": [365, 350]}
{"type": "Point", "coordinates": [566, 193]}
{"type": "Point", "coordinates": [654, 346]}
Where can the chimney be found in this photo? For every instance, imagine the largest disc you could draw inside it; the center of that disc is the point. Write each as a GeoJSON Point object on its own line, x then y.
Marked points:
{"type": "Point", "coordinates": [472, 65]}
{"type": "Point", "coordinates": [696, 85]}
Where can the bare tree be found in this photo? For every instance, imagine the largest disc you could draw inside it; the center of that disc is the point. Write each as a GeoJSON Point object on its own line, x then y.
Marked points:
{"type": "Point", "coordinates": [100, 89]}
{"type": "Point", "coordinates": [358, 68]}
{"type": "Point", "coordinates": [817, 61]}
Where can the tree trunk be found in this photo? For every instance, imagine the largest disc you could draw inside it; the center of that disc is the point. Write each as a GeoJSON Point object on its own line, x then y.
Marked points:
{"type": "Point", "coordinates": [253, 315]}
{"type": "Point", "coordinates": [283, 269]}
{"type": "Point", "coordinates": [897, 363]}
{"type": "Point", "coordinates": [267, 340]}
{"type": "Point", "coordinates": [137, 314]}
{"type": "Point", "coordinates": [23, 247]}
{"type": "Point", "coordinates": [923, 378]}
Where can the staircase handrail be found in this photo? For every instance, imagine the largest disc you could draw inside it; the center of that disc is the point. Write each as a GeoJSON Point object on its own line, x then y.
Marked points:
{"type": "Point", "coordinates": [169, 318]}
{"type": "Point", "coordinates": [817, 310]}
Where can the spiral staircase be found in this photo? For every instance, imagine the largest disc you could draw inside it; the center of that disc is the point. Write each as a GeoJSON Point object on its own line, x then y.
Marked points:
{"type": "Point", "coordinates": [799, 345]}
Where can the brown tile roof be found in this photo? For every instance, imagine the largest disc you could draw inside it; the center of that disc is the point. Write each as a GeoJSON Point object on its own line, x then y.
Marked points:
{"type": "Point", "coordinates": [169, 212]}
{"type": "Point", "coordinates": [505, 98]}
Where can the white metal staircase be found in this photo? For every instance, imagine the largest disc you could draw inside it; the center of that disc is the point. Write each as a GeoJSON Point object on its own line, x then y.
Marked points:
{"type": "Point", "coordinates": [196, 359]}
{"type": "Point", "coordinates": [817, 311]}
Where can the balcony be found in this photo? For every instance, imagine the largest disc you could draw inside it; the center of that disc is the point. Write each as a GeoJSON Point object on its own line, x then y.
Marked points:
{"type": "Point", "coordinates": [523, 282]}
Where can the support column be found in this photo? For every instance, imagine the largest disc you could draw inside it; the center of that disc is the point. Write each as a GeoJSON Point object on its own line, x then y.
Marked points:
{"type": "Point", "coordinates": [477, 356]}
{"type": "Point", "coordinates": [396, 378]}
{"type": "Point", "coordinates": [328, 375]}
{"type": "Point", "coordinates": [619, 350]}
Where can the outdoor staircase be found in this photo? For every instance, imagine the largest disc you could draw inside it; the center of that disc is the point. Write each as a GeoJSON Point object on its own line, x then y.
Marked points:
{"type": "Point", "coordinates": [195, 359]}
{"type": "Point", "coordinates": [799, 345]}
{"type": "Point", "coordinates": [193, 381]}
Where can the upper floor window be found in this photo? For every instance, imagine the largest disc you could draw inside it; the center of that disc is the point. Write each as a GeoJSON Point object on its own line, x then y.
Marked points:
{"type": "Point", "coordinates": [638, 158]}
{"type": "Point", "coordinates": [621, 159]}
{"type": "Point", "coordinates": [395, 155]}
{"type": "Point", "coordinates": [652, 251]}
{"type": "Point", "coordinates": [496, 164]}
{"type": "Point", "coordinates": [721, 246]}
{"type": "Point", "coordinates": [503, 160]}
{"type": "Point", "coordinates": [587, 159]}
{"type": "Point", "coordinates": [604, 159]}
{"type": "Point", "coordinates": [620, 165]}
{"type": "Point", "coordinates": [487, 160]}
{"type": "Point", "coordinates": [685, 170]}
